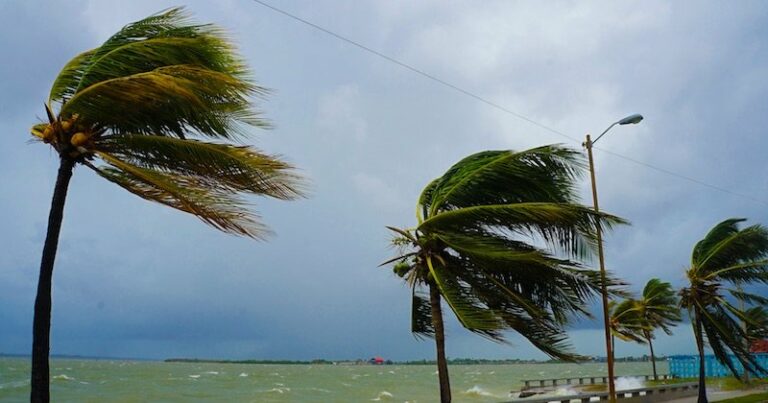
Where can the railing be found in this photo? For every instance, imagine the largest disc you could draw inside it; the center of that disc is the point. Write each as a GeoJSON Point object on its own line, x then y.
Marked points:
{"type": "Point", "coordinates": [554, 382]}
{"type": "Point", "coordinates": [649, 394]}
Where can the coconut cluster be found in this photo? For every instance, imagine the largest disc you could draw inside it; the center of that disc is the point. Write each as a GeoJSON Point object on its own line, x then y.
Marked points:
{"type": "Point", "coordinates": [66, 134]}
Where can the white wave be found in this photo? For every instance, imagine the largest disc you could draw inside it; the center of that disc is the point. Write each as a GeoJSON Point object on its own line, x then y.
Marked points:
{"type": "Point", "coordinates": [279, 390]}
{"type": "Point", "coordinates": [478, 391]}
{"type": "Point", "coordinates": [627, 383]}
{"type": "Point", "coordinates": [212, 372]}
{"type": "Point", "coordinates": [64, 377]}
{"type": "Point", "coordinates": [15, 384]}
{"type": "Point", "coordinates": [194, 376]}
{"type": "Point", "coordinates": [243, 375]}
{"type": "Point", "coordinates": [383, 395]}
{"type": "Point", "coordinates": [565, 391]}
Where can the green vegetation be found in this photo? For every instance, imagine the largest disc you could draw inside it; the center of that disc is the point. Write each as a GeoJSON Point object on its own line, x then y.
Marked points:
{"type": "Point", "coordinates": [727, 257]}
{"type": "Point", "coordinates": [728, 383]}
{"type": "Point", "coordinates": [133, 111]}
{"type": "Point", "coordinates": [637, 319]}
{"type": "Point", "coordinates": [756, 398]}
{"type": "Point", "coordinates": [659, 309]}
{"type": "Point", "coordinates": [476, 247]}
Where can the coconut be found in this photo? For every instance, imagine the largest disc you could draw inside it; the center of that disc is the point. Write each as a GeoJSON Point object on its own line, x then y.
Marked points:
{"type": "Point", "coordinates": [48, 133]}
{"type": "Point", "coordinates": [78, 139]}
{"type": "Point", "coordinates": [66, 125]}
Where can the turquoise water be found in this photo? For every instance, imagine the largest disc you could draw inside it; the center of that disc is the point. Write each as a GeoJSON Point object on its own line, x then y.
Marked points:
{"type": "Point", "coordinates": [142, 381]}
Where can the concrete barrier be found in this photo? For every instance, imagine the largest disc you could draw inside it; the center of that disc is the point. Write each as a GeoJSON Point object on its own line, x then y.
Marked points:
{"type": "Point", "coordinates": [641, 395]}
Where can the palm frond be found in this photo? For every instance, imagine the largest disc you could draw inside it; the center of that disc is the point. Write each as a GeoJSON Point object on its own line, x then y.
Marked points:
{"type": "Point", "coordinates": [66, 83]}
{"type": "Point", "coordinates": [458, 295]}
{"type": "Point", "coordinates": [171, 101]}
{"type": "Point", "coordinates": [569, 227]}
{"type": "Point", "coordinates": [717, 234]}
{"type": "Point", "coordinates": [237, 168]}
{"type": "Point", "coordinates": [749, 244]}
{"type": "Point", "coordinates": [544, 173]}
{"type": "Point", "coordinates": [214, 206]}
{"type": "Point", "coordinates": [421, 314]}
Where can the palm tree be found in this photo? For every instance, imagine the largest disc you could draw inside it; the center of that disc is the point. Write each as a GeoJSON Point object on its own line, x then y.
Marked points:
{"type": "Point", "coordinates": [479, 244]}
{"type": "Point", "coordinates": [756, 323]}
{"type": "Point", "coordinates": [658, 309]}
{"type": "Point", "coordinates": [132, 110]}
{"type": "Point", "coordinates": [726, 257]}
{"type": "Point", "coordinates": [626, 322]}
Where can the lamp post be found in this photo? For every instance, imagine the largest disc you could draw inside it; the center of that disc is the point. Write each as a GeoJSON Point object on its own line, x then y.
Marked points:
{"type": "Point", "coordinates": [632, 119]}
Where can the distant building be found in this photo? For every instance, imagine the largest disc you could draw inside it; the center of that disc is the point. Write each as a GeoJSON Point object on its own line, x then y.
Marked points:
{"type": "Point", "coordinates": [376, 361]}
{"type": "Point", "coordinates": [687, 366]}
{"type": "Point", "coordinates": [759, 346]}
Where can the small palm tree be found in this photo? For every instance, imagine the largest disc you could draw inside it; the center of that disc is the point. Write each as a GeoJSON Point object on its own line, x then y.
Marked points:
{"type": "Point", "coordinates": [726, 257]}
{"type": "Point", "coordinates": [479, 245]}
{"type": "Point", "coordinates": [132, 110]}
{"type": "Point", "coordinates": [659, 309]}
{"type": "Point", "coordinates": [756, 323]}
{"type": "Point", "coordinates": [626, 322]}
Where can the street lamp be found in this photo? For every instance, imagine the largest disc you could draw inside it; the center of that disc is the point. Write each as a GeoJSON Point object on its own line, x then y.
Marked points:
{"type": "Point", "coordinates": [631, 119]}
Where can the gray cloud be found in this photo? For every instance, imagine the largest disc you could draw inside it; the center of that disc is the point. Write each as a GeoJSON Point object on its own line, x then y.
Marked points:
{"type": "Point", "coordinates": [136, 279]}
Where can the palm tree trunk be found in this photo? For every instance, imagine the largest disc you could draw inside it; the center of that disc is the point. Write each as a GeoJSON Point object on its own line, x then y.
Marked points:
{"type": "Point", "coordinates": [41, 328]}
{"type": "Point", "coordinates": [653, 358]}
{"type": "Point", "coordinates": [700, 346]}
{"type": "Point", "coordinates": [442, 364]}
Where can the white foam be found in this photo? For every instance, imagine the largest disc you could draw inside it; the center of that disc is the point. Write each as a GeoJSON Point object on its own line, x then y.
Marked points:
{"type": "Point", "coordinates": [64, 377]}
{"type": "Point", "coordinates": [383, 395]}
{"type": "Point", "coordinates": [194, 376]}
{"type": "Point", "coordinates": [627, 383]}
{"type": "Point", "coordinates": [478, 391]}
{"type": "Point", "coordinates": [565, 391]}
{"type": "Point", "coordinates": [243, 375]}
{"type": "Point", "coordinates": [212, 372]}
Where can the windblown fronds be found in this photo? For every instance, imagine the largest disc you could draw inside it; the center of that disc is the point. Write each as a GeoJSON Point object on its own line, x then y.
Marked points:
{"type": "Point", "coordinates": [129, 108]}
{"type": "Point", "coordinates": [479, 225]}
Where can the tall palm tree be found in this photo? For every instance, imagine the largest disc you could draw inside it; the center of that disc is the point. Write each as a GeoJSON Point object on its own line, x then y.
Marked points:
{"type": "Point", "coordinates": [726, 257]}
{"type": "Point", "coordinates": [133, 110]}
{"type": "Point", "coordinates": [659, 309]}
{"type": "Point", "coordinates": [480, 246]}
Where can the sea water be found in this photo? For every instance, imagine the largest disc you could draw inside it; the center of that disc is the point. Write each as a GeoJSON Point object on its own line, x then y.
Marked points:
{"type": "Point", "coordinates": [148, 381]}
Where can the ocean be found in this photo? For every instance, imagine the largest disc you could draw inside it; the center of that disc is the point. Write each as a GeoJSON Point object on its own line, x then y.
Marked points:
{"type": "Point", "coordinates": [151, 381]}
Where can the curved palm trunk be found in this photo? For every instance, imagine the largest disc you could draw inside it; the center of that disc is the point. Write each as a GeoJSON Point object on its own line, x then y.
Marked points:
{"type": "Point", "coordinates": [653, 356]}
{"type": "Point", "coordinates": [700, 346]}
{"type": "Point", "coordinates": [41, 328]}
{"type": "Point", "coordinates": [442, 364]}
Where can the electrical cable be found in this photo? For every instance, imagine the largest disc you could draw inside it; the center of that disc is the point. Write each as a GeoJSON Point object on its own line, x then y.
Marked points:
{"type": "Point", "coordinates": [500, 107]}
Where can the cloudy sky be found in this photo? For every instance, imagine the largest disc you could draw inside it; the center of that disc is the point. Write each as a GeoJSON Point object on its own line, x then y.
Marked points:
{"type": "Point", "coordinates": [135, 279]}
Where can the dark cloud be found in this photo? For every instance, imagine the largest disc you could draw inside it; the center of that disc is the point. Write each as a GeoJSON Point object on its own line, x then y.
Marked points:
{"type": "Point", "coordinates": [136, 279]}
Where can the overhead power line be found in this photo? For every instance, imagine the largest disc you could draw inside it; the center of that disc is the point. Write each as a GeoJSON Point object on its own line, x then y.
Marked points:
{"type": "Point", "coordinates": [500, 107]}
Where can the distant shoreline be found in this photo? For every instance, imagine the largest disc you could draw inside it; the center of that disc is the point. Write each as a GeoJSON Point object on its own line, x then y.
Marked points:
{"type": "Point", "coordinates": [455, 361]}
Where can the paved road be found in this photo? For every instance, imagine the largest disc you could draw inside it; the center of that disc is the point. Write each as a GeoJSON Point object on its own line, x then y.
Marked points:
{"type": "Point", "coordinates": [716, 396]}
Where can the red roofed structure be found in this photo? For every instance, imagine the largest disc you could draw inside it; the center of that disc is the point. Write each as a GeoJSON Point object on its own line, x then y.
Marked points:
{"type": "Point", "coordinates": [759, 346]}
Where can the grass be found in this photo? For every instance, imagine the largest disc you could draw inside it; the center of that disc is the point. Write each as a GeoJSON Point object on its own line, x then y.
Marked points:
{"type": "Point", "coordinates": [756, 398]}
{"type": "Point", "coordinates": [728, 384]}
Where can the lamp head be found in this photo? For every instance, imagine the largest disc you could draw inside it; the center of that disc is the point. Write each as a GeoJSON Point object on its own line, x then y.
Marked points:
{"type": "Point", "coordinates": [631, 119]}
